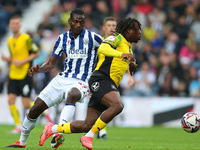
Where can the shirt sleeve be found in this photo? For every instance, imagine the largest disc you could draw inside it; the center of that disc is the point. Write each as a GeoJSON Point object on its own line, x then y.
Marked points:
{"type": "Point", "coordinates": [97, 40]}
{"type": "Point", "coordinates": [31, 45]}
{"type": "Point", "coordinates": [113, 40]}
{"type": "Point", "coordinates": [58, 49]}
{"type": "Point", "coordinates": [107, 50]}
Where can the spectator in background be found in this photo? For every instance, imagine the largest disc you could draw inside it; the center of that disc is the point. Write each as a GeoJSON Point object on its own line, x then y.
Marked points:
{"type": "Point", "coordinates": [195, 28]}
{"type": "Point", "coordinates": [102, 11]}
{"type": "Point", "coordinates": [157, 17]}
{"type": "Point", "coordinates": [144, 81]}
{"type": "Point", "coordinates": [46, 24]}
{"type": "Point", "coordinates": [134, 13]}
{"type": "Point", "coordinates": [181, 28]}
{"type": "Point", "coordinates": [172, 18]}
{"type": "Point", "coordinates": [149, 32]}
{"type": "Point", "coordinates": [145, 7]}
{"type": "Point", "coordinates": [22, 52]}
{"type": "Point", "coordinates": [194, 87]}
{"type": "Point", "coordinates": [182, 90]}
{"type": "Point", "coordinates": [67, 7]}
{"type": "Point", "coordinates": [167, 89]}
{"type": "Point", "coordinates": [190, 14]}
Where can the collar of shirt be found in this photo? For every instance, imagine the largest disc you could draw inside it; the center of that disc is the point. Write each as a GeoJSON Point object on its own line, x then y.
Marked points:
{"type": "Point", "coordinates": [124, 39]}
{"type": "Point", "coordinates": [81, 34]}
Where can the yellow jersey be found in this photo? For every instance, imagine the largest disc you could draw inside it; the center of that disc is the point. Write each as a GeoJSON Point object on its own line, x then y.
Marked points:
{"type": "Point", "coordinates": [115, 67]}
{"type": "Point", "coordinates": [20, 48]}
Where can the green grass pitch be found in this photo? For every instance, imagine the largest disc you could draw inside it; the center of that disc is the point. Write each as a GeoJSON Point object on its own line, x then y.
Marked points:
{"type": "Point", "coordinates": [154, 138]}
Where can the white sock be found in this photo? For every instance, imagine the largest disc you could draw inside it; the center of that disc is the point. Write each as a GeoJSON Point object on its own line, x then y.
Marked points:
{"type": "Point", "coordinates": [102, 132]}
{"type": "Point", "coordinates": [54, 129]}
{"type": "Point", "coordinates": [28, 125]}
{"type": "Point", "coordinates": [81, 109]}
{"type": "Point", "coordinates": [67, 113]}
{"type": "Point", "coordinates": [90, 134]}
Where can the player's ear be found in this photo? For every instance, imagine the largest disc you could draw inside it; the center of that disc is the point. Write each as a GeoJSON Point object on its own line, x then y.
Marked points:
{"type": "Point", "coordinates": [130, 31]}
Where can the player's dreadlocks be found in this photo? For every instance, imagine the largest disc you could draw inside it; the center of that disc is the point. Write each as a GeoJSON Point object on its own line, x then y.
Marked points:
{"type": "Point", "coordinates": [125, 23]}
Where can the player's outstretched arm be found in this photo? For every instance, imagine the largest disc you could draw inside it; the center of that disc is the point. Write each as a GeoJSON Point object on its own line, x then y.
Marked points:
{"type": "Point", "coordinates": [46, 67]}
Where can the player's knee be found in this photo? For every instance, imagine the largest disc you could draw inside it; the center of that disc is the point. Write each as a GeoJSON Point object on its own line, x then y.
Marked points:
{"type": "Point", "coordinates": [73, 95]}
{"type": "Point", "coordinates": [119, 107]}
{"type": "Point", "coordinates": [35, 111]}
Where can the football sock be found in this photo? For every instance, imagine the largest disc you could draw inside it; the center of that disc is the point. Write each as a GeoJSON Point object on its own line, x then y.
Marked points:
{"type": "Point", "coordinates": [15, 114]}
{"type": "Point", "coordinates": [67, 113]}
{"type": "Point", "coordinates": [31, 104]}
{"type": "Point", "coordinates": [63, 128]}
{"type": "Point", "coordinates": [81, 109]}
{"type": "Point", "coordinates": [102, 132]}
{"type": "Point", "coordinates": [99, 124]}
{"type": "Point", "coordinates": [28, 125]}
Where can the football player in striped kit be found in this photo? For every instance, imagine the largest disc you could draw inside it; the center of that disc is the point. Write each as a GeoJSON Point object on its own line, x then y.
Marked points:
{"type": "Point", "coordinates": [105, 102]}
{"type": "Point", "coordinates": [80, 47]}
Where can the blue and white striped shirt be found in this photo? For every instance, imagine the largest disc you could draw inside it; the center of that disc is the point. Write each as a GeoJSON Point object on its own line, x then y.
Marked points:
{"type": "Point", "coordinates": [81, 53]}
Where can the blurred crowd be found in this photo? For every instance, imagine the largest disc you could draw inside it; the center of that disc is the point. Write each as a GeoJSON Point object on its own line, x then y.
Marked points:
{"type": "Point", "coordinates": [168, 55]}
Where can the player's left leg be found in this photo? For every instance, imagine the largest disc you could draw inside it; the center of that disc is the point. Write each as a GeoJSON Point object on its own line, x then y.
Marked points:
{"type": "Point", "coordinates": [77, 126]}
{"type": "Point", "coordinates": [113, 101]}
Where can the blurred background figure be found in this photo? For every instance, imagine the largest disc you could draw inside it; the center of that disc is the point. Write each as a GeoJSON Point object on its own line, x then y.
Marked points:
{"type": "Point", "coordinates": [22, 52]}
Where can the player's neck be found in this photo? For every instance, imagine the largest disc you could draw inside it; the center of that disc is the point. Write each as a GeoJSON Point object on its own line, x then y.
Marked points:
{"type": "Point", "coordinates": [16, 34]}
{"type": "Point", "coordinates": [106, 35]}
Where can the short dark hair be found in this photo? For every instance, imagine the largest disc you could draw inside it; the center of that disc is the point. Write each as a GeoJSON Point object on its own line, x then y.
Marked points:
{"type": "Point", "coordinates": [109, 19]}
{"type": "Point", "coordinates": [126, 23]}
{"type": "Point", "coordinates": [77, 11]}
{"type": "Point", "coordinates": [15, 17]}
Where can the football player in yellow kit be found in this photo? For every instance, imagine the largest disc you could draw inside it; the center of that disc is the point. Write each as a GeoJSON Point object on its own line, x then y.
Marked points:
{"type": "Point", "coordinates": [105, 102]}
{"type": "Point", "coordinates": [22, 52]}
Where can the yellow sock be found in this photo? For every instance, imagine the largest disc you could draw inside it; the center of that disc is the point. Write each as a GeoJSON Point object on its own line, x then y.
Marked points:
{"type": "Point", "coordinates": [99, 125]}
{"type": "Point", "coordinates": [15, 114]}
{"type": "Point", "coordinates": [64, 128]}
{"type": "Point", "coordinates": [32, 103]}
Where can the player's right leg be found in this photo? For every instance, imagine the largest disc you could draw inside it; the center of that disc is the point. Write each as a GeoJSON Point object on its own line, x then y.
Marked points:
{"type": "Point", "coordinates": [29, 123]}
{"type": "Point", "coordinates": [75, 91]}
{"type": "Point", "coordinates": [14, 112]}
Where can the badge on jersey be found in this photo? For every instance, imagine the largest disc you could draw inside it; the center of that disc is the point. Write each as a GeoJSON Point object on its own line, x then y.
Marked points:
{"type": "Point", "coordinates": [113, 40]}
{"type": "Point", "coordinates": [95, 86]}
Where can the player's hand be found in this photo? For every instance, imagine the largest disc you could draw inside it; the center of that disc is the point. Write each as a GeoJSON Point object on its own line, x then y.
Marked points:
{"type": "Point", "coordinates": [132, 67]}
{"type": "Point", "coordinates": [129, 57]}
{"type": "Point", "coordinates": [130, 81]}
{"type": "Point", "coordinates": [3, 57]}
{"type": "Point", "coordinates": [33, 70]}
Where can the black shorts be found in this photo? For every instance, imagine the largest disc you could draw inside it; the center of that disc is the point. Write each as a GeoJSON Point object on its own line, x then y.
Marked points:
{"type": "Point", "coordinates": [99, 86]}
{"type": "Point", "coordinates": [20, 87]}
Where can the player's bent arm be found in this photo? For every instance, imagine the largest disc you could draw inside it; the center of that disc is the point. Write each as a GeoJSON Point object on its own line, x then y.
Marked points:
{"type": "Point", "coordinates": [107, 50]}
{"type": "Point", "coordinates": [46, 67]}
{"type": "Point", "coordinates": [50, 64]}
{"type": "Point", "coordinates": [31, 57]}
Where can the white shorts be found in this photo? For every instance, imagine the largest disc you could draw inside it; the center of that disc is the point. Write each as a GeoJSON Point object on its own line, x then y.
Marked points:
{"type": "Point", "coordinates": [57, 90]}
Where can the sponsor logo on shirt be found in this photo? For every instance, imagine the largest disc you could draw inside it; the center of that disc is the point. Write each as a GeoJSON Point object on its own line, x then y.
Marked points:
{"type": "Point", "coordinates": [77, 53]}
